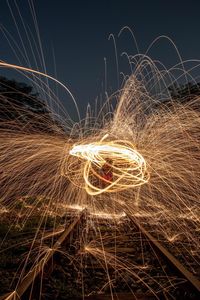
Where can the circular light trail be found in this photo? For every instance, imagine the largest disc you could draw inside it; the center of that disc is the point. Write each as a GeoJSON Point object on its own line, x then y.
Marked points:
{"type": "Point", "coordinates": [118, 158]}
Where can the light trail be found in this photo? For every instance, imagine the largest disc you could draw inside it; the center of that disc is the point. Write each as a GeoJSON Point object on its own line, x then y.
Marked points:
{"type": "Point", "coordinates": [127, 166]}
{"type": "Point", "coordinates": [152, 153]}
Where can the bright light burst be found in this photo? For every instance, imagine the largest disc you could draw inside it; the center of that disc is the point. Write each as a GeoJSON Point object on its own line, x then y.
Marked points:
{"type": "Point", "coordinates": [128, 166]}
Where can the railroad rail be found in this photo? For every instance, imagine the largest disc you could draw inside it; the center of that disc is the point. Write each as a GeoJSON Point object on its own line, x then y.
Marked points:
{"type": "Point", "coordinates": [191, 282]}
{"type": "Point", "coordinates": [31, 276]}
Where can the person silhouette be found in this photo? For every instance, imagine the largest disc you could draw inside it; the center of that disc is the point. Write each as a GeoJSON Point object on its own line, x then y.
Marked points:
{"type": "Point", "coordinates": [106, 172]}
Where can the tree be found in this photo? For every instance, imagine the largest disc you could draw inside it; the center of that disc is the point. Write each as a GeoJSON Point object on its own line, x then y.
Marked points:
{"type": "Point", "coordinates": [185, 93]}
{"type": "Point", "coordinates": [22, 108]}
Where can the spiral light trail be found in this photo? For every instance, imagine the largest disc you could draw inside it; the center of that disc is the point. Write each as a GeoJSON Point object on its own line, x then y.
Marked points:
{"type": "Point", "coordinates": [126, 164]}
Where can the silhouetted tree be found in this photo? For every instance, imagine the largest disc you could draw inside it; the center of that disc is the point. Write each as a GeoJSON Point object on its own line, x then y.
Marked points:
{"type": "Point", "coordinates": [185, 92]}
{"type": "Point", "coordinates": [23, 108]}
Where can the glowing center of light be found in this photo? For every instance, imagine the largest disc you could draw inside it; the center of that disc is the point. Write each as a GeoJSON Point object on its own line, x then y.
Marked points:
{"type": "Point", "coordinates": [126, 166]}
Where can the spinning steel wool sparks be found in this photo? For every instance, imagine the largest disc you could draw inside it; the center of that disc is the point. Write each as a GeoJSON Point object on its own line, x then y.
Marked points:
{"type": "Point", "coordinates": [139, 157]}
{"type": "Point", "coordinates": [128, 166]}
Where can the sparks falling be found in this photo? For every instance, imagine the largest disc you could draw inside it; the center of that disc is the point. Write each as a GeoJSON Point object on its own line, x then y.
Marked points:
{"type": "Point", "coordinates": [149, 152]}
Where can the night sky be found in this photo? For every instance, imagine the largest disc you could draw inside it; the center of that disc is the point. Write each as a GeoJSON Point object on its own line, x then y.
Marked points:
{"type": "Point", "coordinates": [76, 33]}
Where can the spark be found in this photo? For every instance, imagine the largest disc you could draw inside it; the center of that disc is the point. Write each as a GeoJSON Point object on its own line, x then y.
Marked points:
{"type": "Point", "coordinates": [128, 165]}
{"type": "Point", "coordinates": [173, 238]}
{"type": "Point", "coordinates": [3, 210]}
{"type": "Point", "coordinates": [108, 216]}
{"type": "Point", "coordinates": [12, 296]}
{"type": "Point", "coordinates": [152, 151]}
{"type": "Point", "coordinates": [73, 207]}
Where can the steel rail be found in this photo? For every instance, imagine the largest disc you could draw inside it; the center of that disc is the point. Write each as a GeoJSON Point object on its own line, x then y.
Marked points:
{"type": "Point", "coordinates": [191, 279]}
{"type": "Point", "coordinates": [37, 269]}
{"type": "Point", "coordinates": [30, 277]}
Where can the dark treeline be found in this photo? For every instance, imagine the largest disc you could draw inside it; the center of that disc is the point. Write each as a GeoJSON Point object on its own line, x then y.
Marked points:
{"type": "Point", "coordinates": [185, 93]}
{"type": "Point", "coordinates": [24, 109]}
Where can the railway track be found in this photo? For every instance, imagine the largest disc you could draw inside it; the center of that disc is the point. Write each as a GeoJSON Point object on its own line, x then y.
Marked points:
{"type": "Point", "coordinates": [191, 282]}
{"type": "Point", "coordinates": [118, 259]}
{"type": "Point", "coordinates": [26, 287]}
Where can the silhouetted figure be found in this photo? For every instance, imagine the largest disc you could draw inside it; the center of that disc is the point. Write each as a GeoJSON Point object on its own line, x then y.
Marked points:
{"type": "Point", "coordinates": [106, 173]}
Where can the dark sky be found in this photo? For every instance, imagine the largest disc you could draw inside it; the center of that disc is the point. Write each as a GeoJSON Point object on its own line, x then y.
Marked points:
{"type": "Point", "coordinates": [77, 33]}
